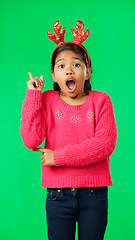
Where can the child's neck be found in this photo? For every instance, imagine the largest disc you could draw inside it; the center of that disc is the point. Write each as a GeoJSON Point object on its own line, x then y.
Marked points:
{"type": "Point", "coordinates": [77, 100]}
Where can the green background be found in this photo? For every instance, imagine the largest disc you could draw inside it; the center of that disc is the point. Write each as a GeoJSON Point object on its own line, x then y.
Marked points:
{"type": "Point", "coordinates": [25, 47]}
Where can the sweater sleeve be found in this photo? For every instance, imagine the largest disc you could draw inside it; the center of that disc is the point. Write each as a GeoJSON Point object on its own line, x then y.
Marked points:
{"type": "Point", "coordinates": [33, 127]}
{"type": "Point", "coordinates": [97, 148]}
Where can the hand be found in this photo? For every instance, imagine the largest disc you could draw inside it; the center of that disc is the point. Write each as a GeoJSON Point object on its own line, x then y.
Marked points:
{"type": "Point", "coordinates": [47, 156]}
{"type": "Point", "coordinates": [35, 83]}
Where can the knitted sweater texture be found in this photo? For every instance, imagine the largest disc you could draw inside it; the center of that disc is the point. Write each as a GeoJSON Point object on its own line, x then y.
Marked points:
{"type": "Point", "coordinates": [83, 137]}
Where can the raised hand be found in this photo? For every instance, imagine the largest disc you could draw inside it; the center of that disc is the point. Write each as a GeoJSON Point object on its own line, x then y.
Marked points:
{"type": "Point", "coordinates": [35, 83]}
{"type": "Point", "coordinates": [47, 156]}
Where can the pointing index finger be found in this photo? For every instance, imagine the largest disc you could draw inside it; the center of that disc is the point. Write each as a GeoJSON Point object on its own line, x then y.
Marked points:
{"type": "Point", "coordinates": [30, 75]}
{"type": "Point", "coordinates": [39, 150]}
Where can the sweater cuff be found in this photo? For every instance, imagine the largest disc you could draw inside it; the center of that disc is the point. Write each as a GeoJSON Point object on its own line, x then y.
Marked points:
{"type": "Point", "coordinates": [33, 95]}
{"type": "Point", "coordinates": [59, 158]}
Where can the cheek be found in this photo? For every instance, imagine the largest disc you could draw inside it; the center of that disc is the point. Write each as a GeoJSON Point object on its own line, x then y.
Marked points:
{"type": "Point", "coordinates": [58, 73]}
{"type": "Point", "coordinates": [82, 73]}
{"type": "Point", "coordinates": [55, 75]}
{"type": "Point", "coordinates": [85, 72]}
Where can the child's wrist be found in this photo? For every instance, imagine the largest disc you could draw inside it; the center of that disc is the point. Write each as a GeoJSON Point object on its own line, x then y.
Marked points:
{"type": "Point", "coordinates": [33, 95]}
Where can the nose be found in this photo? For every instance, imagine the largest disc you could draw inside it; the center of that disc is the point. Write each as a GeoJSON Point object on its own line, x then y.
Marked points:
{"type": "Point", "coordinates": [69, 71]}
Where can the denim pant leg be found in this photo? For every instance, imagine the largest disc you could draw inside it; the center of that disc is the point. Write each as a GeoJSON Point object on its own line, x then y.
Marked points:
{"type": "Point", "coordinates": [93, 213]}
{"type": "Point", "coordinates": [88, 206]}
{"type": "Point", "coordinates": [61, 214]}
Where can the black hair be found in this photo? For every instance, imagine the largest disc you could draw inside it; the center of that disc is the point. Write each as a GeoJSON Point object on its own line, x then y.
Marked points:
{"type": "Point", "coordinates": [76, 49]}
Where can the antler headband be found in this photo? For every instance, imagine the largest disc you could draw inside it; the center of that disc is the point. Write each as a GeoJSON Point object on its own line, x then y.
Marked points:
{"type": "Point", "coordinates": [78, 38]}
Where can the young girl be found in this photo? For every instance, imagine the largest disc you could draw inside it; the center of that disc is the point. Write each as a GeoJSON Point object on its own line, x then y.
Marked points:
{"type": "Point", "coordinates": [81, 133]}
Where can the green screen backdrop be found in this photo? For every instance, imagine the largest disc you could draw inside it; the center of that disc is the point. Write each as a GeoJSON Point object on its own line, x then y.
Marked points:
{"type": "Point", "coordinates": [25, 47]}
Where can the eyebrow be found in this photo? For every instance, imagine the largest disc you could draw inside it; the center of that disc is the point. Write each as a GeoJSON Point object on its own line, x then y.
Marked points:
{"type": "Point", "coordinates": [64, 59]}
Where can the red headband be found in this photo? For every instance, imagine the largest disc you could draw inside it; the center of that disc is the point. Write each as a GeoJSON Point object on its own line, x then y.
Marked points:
{"type": "Point", "coordinates": [78, 38]}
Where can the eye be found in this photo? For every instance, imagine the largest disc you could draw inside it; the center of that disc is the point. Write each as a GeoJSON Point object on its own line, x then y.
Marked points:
{"type": "Point", "coordinates": [76, 64]}
{"type": "Point", "coordinates": [61, 66]}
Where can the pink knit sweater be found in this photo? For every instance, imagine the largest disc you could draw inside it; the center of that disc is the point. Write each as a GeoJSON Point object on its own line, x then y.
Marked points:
{"type": "Point", "coordinates": [83, 137]}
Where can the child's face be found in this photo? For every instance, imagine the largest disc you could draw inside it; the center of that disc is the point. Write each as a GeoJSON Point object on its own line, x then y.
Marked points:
{"type": "Point", "coordinates": [70, 73]}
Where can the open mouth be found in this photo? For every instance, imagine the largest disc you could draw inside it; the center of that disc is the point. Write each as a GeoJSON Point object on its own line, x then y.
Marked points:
{"type": "Point", "coordinates": [70, 85]}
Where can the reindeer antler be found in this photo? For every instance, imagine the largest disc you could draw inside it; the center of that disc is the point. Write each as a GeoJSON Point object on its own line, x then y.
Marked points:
{"type": "Point", "coordinates": [78, 38]}
{"type": "Point", "coordinates": [60, 39]}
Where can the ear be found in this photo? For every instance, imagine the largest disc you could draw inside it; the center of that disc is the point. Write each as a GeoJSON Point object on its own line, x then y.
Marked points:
{"type": "Point", "coordinates": [53, 75]}
{"type": "Point", "coordinates": [88, 73]}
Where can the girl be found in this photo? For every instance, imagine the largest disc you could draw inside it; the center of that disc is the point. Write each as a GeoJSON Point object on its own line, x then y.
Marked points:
{"type": "Point", "coordinates": [81, 133]}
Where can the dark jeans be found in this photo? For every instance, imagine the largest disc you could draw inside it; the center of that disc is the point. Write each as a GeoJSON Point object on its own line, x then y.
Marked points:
{"type": "Point", "coordinates": [88, 206]}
